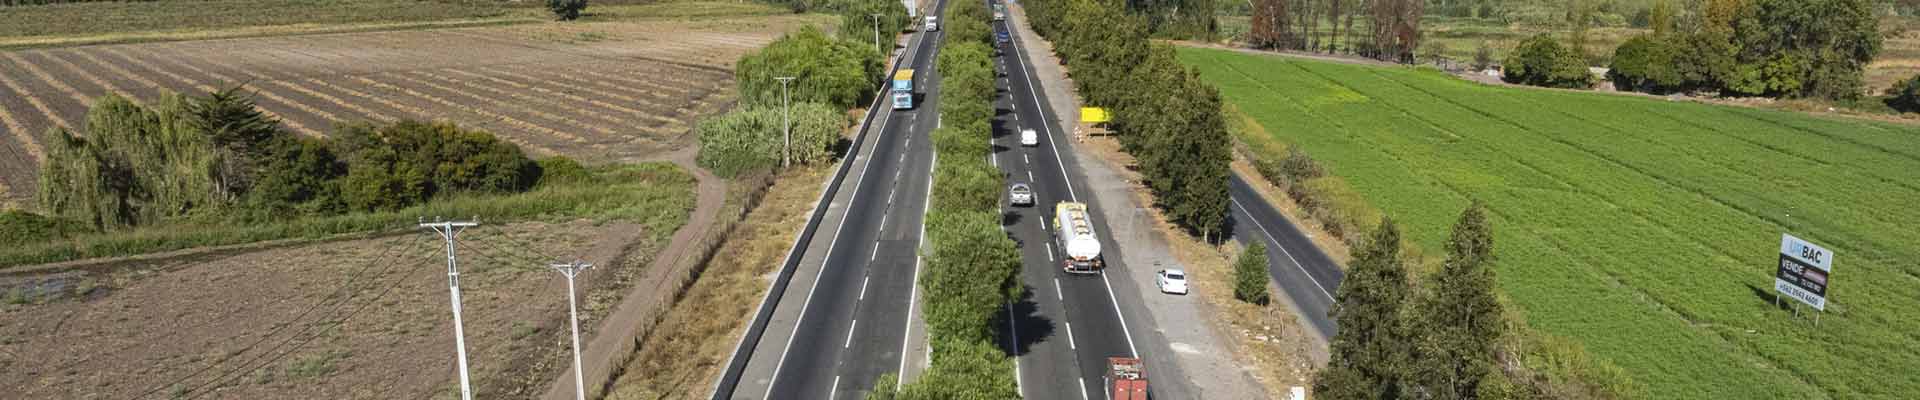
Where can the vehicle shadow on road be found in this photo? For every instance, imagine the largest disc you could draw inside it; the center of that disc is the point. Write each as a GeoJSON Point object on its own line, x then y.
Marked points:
{"type": "Point", "coordinates": [1028, 326]}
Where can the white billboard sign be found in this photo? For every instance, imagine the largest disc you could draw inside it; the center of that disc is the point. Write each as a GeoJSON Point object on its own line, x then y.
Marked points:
{"type": "Point", "coordinates": [1805, 269]}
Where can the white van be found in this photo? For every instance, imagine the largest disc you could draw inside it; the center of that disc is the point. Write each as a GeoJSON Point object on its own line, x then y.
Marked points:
{"type": "Point", "coordinates": [1029, 138]}
{"type": "Point", "coordinates": [933, 23]}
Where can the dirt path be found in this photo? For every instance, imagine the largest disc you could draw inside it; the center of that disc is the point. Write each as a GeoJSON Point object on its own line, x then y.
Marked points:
{"type": "Point", "coordinates": [640, 308]}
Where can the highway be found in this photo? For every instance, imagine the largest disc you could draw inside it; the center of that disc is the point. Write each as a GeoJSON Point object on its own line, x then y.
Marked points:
{"type": "Point", "coordinates": [1068, 324]}
{"type": "Point", "coordinates": [1305, 274]}
{"type": "Point", "coordinates": [854, 321]}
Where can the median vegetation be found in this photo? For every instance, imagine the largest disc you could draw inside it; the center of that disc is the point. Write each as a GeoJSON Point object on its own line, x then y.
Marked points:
{"type": "Point", "coordinates": [1164, 115]}
{"type": "Point", "coordinates": [972, 272]}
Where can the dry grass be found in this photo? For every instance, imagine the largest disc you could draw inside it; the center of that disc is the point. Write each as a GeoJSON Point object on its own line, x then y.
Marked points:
{"type": "Point", "coordinates": [685, 352]}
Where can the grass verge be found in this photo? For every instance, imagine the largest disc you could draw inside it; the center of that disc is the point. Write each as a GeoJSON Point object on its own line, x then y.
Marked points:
{"type": "Point", "coordinates": [684, 352]}
{"type": "Point", "coordinates": [626, 192]}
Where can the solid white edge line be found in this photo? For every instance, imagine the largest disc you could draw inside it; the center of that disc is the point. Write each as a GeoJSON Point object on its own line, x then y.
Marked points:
{"type": "Point", "coordinates": [913, 294]}
{"type": "Point", "coordinates": [850, 330]}
{"type": "Point", "coordinates": [1013, 328]}
{"type": "Point", "coordinates": [1283, 249]}
{"type": "Point", "coordinates": [1131, 351]}
{"type": "Point", "coordinates": [1062, 163]}
{"type": "Point", "coordinates": [858, 181]}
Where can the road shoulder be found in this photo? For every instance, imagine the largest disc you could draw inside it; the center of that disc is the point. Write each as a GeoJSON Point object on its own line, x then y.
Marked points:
{"type": "Point", "coordinates": [1205, 364]}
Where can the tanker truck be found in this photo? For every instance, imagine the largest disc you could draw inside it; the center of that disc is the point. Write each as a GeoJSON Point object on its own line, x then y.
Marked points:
{"type": "Point", "coordinates": [1073, 228]}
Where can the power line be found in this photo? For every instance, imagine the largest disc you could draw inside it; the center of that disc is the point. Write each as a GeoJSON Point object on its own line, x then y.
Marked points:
{"type": "Point", "coordinates": [296, 318]}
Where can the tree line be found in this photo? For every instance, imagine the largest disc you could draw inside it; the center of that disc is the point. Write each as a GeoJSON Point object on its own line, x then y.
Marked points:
{"type": "Point", "coordinates": [1164, 114]}
{"type": "Point", "coordinates": [972, 270]}
{"type": "Point", "coordinates": [219, 157]}
{"type": "Point", "coordinates": [1769, 48]}
{"type": "Point", "coordinates": [1388, 29]}
{"type": "Point", "coordinates": [1435, 339]}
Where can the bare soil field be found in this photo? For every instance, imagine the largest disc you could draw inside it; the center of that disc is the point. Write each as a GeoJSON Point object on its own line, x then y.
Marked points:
{"type": "Point", "coordinates": [348, 319]}
{"type": "Point", "coordinates": [601, 91]}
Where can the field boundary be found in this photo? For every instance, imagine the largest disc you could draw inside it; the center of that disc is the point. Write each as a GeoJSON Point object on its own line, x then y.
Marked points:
{"type": "Point", "coordinates": [42, 42]}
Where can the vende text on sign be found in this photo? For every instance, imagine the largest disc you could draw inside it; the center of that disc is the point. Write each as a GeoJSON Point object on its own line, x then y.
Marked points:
{"type": "Point", "coordinates": [1805, 269]}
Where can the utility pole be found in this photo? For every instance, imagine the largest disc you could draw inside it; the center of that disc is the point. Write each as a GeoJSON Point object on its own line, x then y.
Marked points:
{"type": "Point", "coordinates": [876, 34]}
{"type": "Point", "coordinates": [571, 270]}
{"type": "Point", "coordinates": [450, 231]}
{"type": "Point", "coordinates": [786, 123]}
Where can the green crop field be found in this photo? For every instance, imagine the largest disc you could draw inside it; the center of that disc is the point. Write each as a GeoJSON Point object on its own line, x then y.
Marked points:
{"type": "Point", "coordinates": [1646, 229]}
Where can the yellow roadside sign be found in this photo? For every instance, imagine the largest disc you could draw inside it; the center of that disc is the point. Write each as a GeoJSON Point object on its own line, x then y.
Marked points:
{"type": "Point", "coordinates": [1094, 115]}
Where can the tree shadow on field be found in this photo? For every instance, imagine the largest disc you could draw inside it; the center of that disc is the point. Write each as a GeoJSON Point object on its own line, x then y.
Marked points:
{"type": "Point", "coordinates": [1027, 325]}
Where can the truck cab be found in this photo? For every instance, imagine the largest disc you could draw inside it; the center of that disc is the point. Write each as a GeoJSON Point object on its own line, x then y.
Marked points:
{"type": "Point", "coordinates": [903, 89]}
{"type": "Point", "coordinates": [933, 23]}
{"type": "Point", "coordinates": [1126, 378]}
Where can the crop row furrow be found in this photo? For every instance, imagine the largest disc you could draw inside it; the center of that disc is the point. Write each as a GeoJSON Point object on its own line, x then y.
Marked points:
{"type": "Point", "coordinates": [114, 68]}
{"type": "Point", "coordinates": [291, 124]}
{"type": "Point", "coordinates": [502, 105]}
{"type": "Point", "coordinates": [483, 113]}
{"type": "Point", "coordinates": [1902, 144]}
{"type": "Point", "coordinates": [49, 79]}
{"type": "Point", "coordinates": [534, 85]}
{"type": "Point", "coordinates": [604, 89]}
{"type": "Point", "coordinates": [84, 74]}
{"type": "Point", "coordinates": [38, 105]}
{"type": "Point", "coordinates": [21, 135]}
{"type": "Point", "coordinates": [553, 104]}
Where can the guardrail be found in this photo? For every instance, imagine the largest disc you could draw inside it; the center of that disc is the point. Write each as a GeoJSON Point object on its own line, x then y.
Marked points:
{"type": "Point", "coordinates": [743, 352]}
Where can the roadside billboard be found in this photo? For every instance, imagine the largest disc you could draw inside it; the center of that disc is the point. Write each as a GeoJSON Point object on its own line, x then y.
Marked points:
{"type": "Point", "coordinates": [1805, 270]}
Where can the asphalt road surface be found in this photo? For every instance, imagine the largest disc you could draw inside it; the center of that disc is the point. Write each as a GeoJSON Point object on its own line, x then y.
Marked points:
{"type": "Point", "coordinates": [854, 321]}
{"type": "Point", "coordinates": [1304, 273]}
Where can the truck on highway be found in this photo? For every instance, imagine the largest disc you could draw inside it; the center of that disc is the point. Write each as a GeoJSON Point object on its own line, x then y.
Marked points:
{"type": "Point", "coordinates": [1126, 379]}
{"type": "Point", "coordinates": [999, 11]}
{"type": "Point", "coordinates": [1073, 228]}
{"type": "Point", "coordinates": [903, 89]}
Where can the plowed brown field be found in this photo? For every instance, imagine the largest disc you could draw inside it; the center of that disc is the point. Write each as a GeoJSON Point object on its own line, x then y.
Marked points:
{"type": "Point", "coordinates": [610, 91]}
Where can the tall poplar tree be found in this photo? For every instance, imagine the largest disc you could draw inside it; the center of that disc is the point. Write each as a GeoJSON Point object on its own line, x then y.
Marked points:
{"type": "Point", "coordinates": [1370, 351]}
{"type": "Point", "coordinates": [1460, 315]}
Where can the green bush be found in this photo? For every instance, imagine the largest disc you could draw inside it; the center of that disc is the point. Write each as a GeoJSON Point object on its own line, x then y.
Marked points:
{"type": "Point", "coordinates": [136, 165]}
{"type": "Point", "coordinates": [558, 170]}
{"type": "Point", "coordinates": [750, 139]}
{"type": "Point", "coordinates": [21, 227]}
{"type": "Point", "coordinates": [1250, 275]}
{"type": "Point", "coordinates": [1647, 64]}
{"type": "Point", "coordinates": [839, 73]}
{"type": "Point", "coordinates": [1543, 61]}
{"type": "Point", "coordinates": [409, 162]}
{"type": "Point", "coordinates": [567, 10]}
{"type": "Point", "coordinates": [300, 178]}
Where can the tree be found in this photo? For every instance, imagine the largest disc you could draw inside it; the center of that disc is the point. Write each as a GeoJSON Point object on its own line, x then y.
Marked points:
{"type": "Point", "coordinates": [1250, 275]}
{"type": "Point", "coordinates": [1648, 64]}
{"type": "Point", "coordinates": [1660, 17]}
{"type": "Point", "coordinates": [1459, 318]}
{"type": "Point", "coordinates": [1483, 57]}
{"type": "Point", "coordinates": [1270, 26]}
{"type": "Point", "coordinates": [1542, 61]}
{"type": "Point", "coordinates": [1396, 28]}
{"type": "Point", "coordinates": [1904, 96]}
{"type": "Point", "coordinates": [835, 72]}
{"type": "Point", "coordinates": [1369, 354]}
{"type": "Point", "coordinates": [567, 10]}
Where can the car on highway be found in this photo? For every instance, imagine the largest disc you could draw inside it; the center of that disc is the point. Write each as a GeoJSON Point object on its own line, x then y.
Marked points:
{"type": "Point", "coordinates": [1171, 281]}
{"type": "Point", "coordinates": [1002, 36]}
{"type": "Point", "coordinates": [1020, 195]}
{"type": "Point", "coordinates": [1029, 138]}
{"type": "Point", "coordinates": [933, 23]}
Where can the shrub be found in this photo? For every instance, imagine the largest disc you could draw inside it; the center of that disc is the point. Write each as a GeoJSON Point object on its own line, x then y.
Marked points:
{"type": "Point", "coordinates": [1250, 275]}
{"type": "Point", "coordinates": [136, 165]}
{"type": "Point", "coordinates": [1543, 61]}
{"type": "Point", "coordinates": [751, 139]}
{"type": "Point", "coordinates": [558, 170]}
{"type": "Point", "coordinates": [299, 178]}
{"type": "Point", "coordinates": [21, 227]}
{"type": "Point", "coordinates": [835, 72]}
{"type": "Point", "coordinates": [409, 162]}
{"type": "Point", "coordinates": [1905, 95]}
{"type": "Point", "coordinates": [567, 10]}
{"type": "Point", "coordinates": [1646, 63]}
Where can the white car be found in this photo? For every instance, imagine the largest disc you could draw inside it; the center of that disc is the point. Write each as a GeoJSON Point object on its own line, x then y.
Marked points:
{"type": "Point", "coordinates": [933, 23]}
{"type": "Point", "coordinates": [1171, 281]}
{"type": "Point", "coordinates": [1029, 138]}
{"type": "Point", "coordinates": [1020, 195]}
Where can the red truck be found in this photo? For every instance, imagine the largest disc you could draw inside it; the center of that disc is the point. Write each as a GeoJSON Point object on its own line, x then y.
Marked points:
{"type": "Point", "coordinates": [1126, 379]}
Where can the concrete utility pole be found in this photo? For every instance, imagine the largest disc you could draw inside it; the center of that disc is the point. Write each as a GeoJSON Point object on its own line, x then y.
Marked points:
{"type": "Point", "coordinates": [450, 231]}
{"type": "Point", "coordinates": [786, 122]}
{"type": "Point", "coordinates": [571, 270]}
{"type": "Point", "coordinates": [876, 35]}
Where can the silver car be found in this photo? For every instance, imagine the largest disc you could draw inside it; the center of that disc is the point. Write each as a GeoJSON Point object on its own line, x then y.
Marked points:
{"type": "Point", "coordinates": [1020, 195]}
